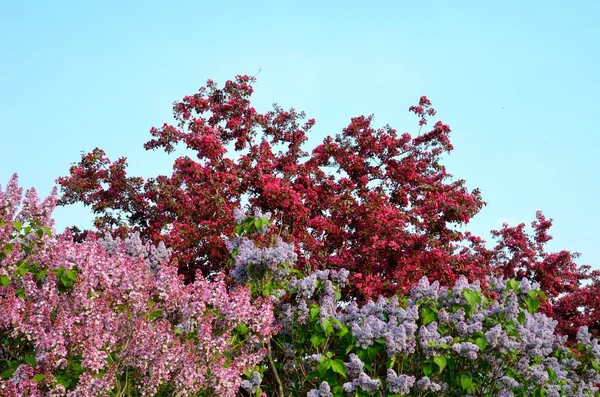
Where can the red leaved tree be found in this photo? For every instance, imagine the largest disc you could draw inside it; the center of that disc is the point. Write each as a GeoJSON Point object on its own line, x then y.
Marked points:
{"type": "Point", "coordinates": [368, 199]}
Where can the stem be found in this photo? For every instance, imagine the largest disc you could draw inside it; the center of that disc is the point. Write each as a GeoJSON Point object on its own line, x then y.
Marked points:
{"type": "Point", "coordinates": [272, 363]}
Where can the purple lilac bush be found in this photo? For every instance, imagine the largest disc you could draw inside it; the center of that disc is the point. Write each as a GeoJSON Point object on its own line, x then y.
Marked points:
{"type": "Point", "coordinates": [439, 340]}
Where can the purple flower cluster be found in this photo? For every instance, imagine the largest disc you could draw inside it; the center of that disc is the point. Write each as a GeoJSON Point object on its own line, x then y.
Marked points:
{"type": "Point", "coordinates": [135, 248]}
{"type": "Point", "coordinates": [466, 349]}
{"type": "Point", "coordinates": [254, 262]}
{"type": "Point", "coordinates": [382, 319]}
{"type": "Point", "coordinates": [399, 384]}
{"type": "Point", "coordinates": [253, 383]}
{"type": "Point", "coordinates": [323, 391]}
{"type": "Point", "coordinates": [364, 382]}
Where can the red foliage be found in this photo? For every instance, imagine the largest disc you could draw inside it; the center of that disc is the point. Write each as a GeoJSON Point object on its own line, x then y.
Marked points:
{"type": "Point", "coordinates": [390, 215]}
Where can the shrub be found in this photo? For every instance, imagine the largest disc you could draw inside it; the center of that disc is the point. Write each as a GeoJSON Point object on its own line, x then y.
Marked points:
{"type": "Point", "coordinates": [458, 340]}
{"type": "Point", "coordinates": [104, 317]}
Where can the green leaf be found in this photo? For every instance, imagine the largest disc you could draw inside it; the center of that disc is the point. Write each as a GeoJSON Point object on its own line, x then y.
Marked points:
{"type": "Point", "coordinates": [22, 270]}
{"type": "Point", "coordinates": [65, 280]}
{"type": "Point", "coordinates": [316, 341]}
{"type": "Point", "coordinates": [513, 284]}
{"type": "Point", "coordinates": [539, 393]}
{"type": "Point", "coordinates": [441, 362]}
{"type": "Point", "coordinates": [313, 374]}
{"type": "Point", "coordinates": [343, 331]}
{"type": "Point", "coordinates": [427, 369]}
{"type": "Point", "coordinates": [314, 311]}
{"type": "Point", "coordinates": [4, 280]}
{"type": "Point", "coordinates": [327, 327]}
{"type": "Point", "coordinates": [41, 274]}
{"type": "Point", "coordinates": [466, 381]}
{"type": "Point", "coordinates": [471, 296]}
{"type": "Point", "coordinates": [372, 352]}
{"type": "Point", "coordinates": [521, 318]}
{"type": "Point", "coordinates": [390, 363]}
{"type": "Point", "coordinates": [242, 329]}
{"type": "Point", "coordinates": [7, 248]}
{"type": "Point", "coordinates": [30, 359]}
{"type": "Point", "coordinates": [63, 380]}
{"type": "Point", "coordinates": [338, 367]}
{"type": "Point", "coordinates": [533, 304]}
{"type": "Point", "coordinates": [38, 378]}
{"type": "Point", "coordinates": [427, 315]}
{"type": "Point", "coordinates": [324, 366]}
{"type": "Point", "coordinates": [72, 274]}
{"type": "Point", "coordinates": [18, 226]}
{"type": "Point", "coordinates": [8, 373]}
{"type": "Point", "coordinates": [239, 229]}
{"type": "Point", "coordinates": [47, 230]}
{"type": "Point", "coordinates": [481, 342]}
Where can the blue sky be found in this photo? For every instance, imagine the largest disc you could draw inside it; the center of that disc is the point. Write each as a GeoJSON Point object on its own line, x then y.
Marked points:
{"type": "Point", "coordinates": [517, 82]}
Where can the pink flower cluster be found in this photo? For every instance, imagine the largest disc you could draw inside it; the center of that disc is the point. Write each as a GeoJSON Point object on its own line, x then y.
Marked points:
{"type": "Point", "coordinates": [78, 320]}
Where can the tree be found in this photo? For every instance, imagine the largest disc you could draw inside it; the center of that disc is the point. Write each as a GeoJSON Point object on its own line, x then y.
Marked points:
{"type": "Point", "coordinates": [378, 203]}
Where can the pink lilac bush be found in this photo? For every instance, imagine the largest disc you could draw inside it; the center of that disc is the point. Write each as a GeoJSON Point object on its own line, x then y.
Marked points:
{"type": "Point", "coordinates": [113, 316]}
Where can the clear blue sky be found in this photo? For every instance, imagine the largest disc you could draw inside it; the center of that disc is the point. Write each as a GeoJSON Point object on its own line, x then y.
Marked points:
{"type": "Point", "coordinates": [517, 81]}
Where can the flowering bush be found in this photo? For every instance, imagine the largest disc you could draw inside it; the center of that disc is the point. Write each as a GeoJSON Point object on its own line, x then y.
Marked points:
{"type": "Point", "coordinates": [112, 317]}
{"type": "Point", "coordinates": [462, 340]}
{"type": "Point", "coordinates": [389, 216]}
{"type": "Point", "coordinates": [323, 290]}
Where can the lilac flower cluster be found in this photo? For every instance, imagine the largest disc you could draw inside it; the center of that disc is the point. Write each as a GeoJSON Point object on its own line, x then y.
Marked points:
{"type": "Point", "coordinates": [323, 391]}
{"type": "Point", "coordinates": [466, 349]}
{"type": "Point", "coordinates": [320, 287]}
{"type": "Point", "coordinates": [135, 248]}
{"type": "Point", "coordinates": [399, 384]}
{"type": "Point", "coordinates": [363, 382]}
{"type": "Point", "coordinates": [385, 319]}
{"type": "Point", "coordinates": [425, 384]}
{"type": "Point", "coordinates": [256, 260]}
{"type": "Point", "coordinates": [253, 383]}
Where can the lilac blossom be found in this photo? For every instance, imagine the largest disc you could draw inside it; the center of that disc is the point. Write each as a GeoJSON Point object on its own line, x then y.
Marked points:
{"type": "Point", "coordinates": [354, 367]}
{"type": "Point", "coordinates": [399, 384]}
{"type": "Point", "coordinates": [466, 349]}
{"type": "Point", "coordinates": [323, 391]}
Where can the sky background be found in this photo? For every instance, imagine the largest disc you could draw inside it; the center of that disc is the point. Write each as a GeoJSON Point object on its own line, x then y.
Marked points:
{"type": "Point", "coordinates": [517, 81]}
